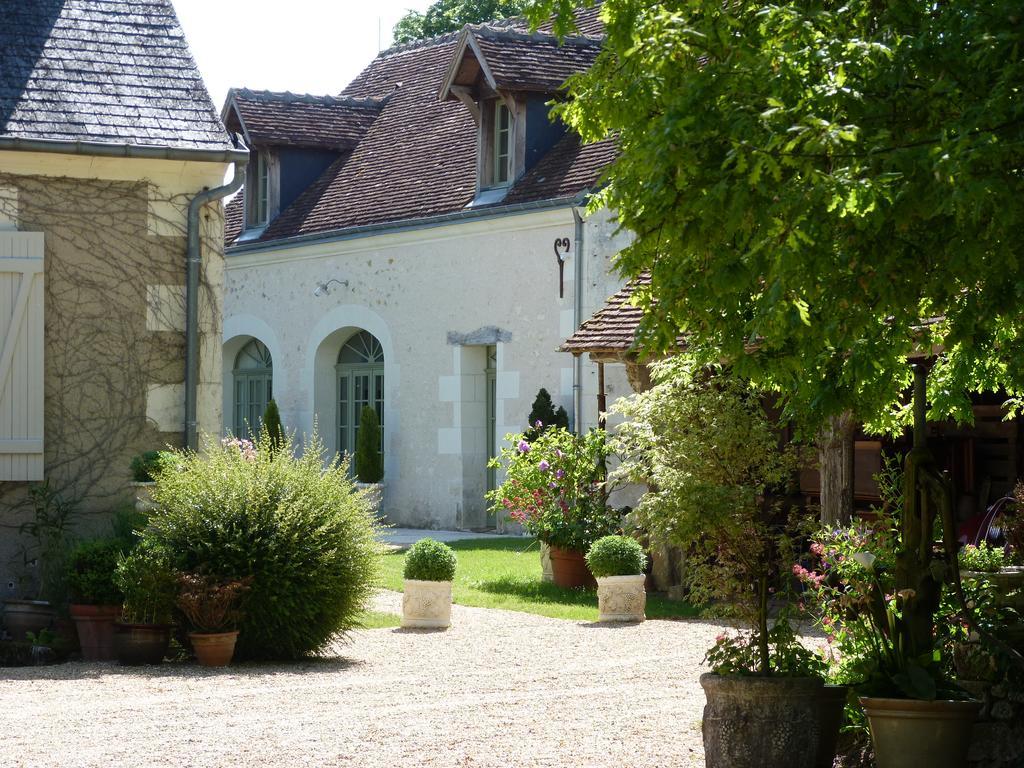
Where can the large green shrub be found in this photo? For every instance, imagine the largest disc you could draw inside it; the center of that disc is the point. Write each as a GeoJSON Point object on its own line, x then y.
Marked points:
{"type": "Point", "coordinates": [307, 539]}
{"type": "Point", "coordinates": [146, 466]}
{"type": "Point", "coordinates": [430, 560]}
{"type": "Point", "coordinates": [369, 467]}
{"type": "Point", "coordinates": [616, 556]}
{"type": "Point", "coordinates": [91, 567]}
{"type": "Point", "coordinates": [147, 578]}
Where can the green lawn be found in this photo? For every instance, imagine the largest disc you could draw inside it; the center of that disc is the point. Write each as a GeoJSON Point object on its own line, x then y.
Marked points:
{"type": "Point", "coordinates": [505, 573]}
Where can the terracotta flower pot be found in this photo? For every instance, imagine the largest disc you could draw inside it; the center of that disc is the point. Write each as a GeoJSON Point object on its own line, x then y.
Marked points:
{"type": "Point", "coordinates": [621, 598]}
{"type": "Point", "coordinates": [138, 644]}
{"type": "Point", "coordinates": [213, 649]}
{"type": "Point", "coordinates": [95, 625]}
{"type": "Point", "coordinates": [760, 722]}
{"type": "Point", "coordinates": [569, 569]}
{"type": "Point", "coordinates": [908, 733]}
{"type": "Point", "coordinates": [24, 616]}
{"type": "Point", "coordinates": [427, 604]}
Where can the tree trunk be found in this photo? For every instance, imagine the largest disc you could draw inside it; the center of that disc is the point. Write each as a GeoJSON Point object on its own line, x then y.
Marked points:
{"type": "Point", "coordinates": [835, 465]}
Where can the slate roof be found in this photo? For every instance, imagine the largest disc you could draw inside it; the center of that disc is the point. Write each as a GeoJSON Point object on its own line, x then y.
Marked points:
{"type": "Point", "coordinates": [105, 71]}
{"type": "Point", "coordinates": [613, 328]}
{"type": "Point", "coordinates": [520, 61]}
{"type": "Point", "coordinates": [300, 120]}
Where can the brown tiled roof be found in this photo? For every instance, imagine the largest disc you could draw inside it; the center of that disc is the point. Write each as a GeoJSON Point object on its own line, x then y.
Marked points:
{"type": "Point", "coordinates": [104, 71]}
{"type": "Point", "coordinates": [520, 61]}
{"type": "Point", "coordinates": [234, 217]}
{"type": "Point", "coordinates": [288, 119]}
{"type": "Point", "coordinates": [565, 170]}
{"type": "Point", "coordinates": [613, 328]}
{"type": "Point", "coordinates": [588, 22]}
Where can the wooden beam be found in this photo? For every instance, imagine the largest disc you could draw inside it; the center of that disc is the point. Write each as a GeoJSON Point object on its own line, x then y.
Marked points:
{"type": "Point", "coordinates": [464, 95]}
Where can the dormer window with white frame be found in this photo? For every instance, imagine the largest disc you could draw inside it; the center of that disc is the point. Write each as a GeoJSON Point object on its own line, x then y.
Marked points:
{"type": "Point", "coordinates": [258, 191]}
{"type": "Point", "coordinates": [502, 146]}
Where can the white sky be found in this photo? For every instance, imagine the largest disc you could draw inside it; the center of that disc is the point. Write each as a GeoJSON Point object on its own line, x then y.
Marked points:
{"type": "Point", "coordinates": [303, 46]}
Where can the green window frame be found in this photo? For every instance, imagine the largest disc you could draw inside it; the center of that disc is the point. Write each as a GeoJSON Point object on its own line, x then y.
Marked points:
{"type": "Point", "coordinates": [360, 376]}
{"type": "Point", "coordinates": [253, 377]}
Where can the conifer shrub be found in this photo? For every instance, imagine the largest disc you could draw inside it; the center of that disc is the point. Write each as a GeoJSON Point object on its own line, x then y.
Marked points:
{"type": "Point", "coordinates": [544, 415]}
{"type": "Point", "coordinates": [430, 560]}
{"type": "Point", "coordinates": [369, 464]}
{"type": "Point", "coordinates": [272, 425]}
{"type": "Point", "coordinates": [302, 533]}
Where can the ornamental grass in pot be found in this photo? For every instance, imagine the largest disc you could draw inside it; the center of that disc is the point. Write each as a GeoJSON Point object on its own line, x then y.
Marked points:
{"type": "Point", "coordinates": [618, 564]}
{"type": "Point", "coordinates": [212, 607]}
{"type": "Point", "coordinates": [427, 597]}
{"type": "Point", "coordinates": [556, 488]}
{"type": "Point", "coordinates": [147, 579]}
{"type": "Point", "coordinates": [702, 442]}
{"type": "Point", "coordinates": [95, 599]}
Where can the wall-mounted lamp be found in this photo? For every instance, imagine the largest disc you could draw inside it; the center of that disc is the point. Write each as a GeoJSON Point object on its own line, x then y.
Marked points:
{"type": "Point", "coordinates": [324, 289]}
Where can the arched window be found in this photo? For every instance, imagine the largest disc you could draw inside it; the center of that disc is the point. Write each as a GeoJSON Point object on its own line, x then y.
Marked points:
{"type": "Point", "coordinates": [360, 383]}
{"type": "Point", "coordinates": [254, 376]}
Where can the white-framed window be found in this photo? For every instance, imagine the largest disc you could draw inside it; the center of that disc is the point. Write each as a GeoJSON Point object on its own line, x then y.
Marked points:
{"type": "Point", "coordinates": [254, 387]}
{"type": "Point", "coordinates": [360, 373]}
{"type": "Point", "coordinates": [502, 147]}
{"type": "Point", "coordinates": [258, 190]}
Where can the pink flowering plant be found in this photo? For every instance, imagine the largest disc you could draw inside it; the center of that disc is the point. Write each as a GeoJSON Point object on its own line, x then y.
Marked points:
{"type": "Point", "coordinates": [555, 487]}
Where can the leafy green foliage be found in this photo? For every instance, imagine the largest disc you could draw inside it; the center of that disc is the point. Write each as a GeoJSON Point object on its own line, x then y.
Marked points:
{"type": "Point", "coordinates": [819, 190]}
{"type": "Point", "coordinates": [146, 466]}
{"type": "Point", "coordinates": [211, 604]}
{"type": "Point", "coordinates": [149, 583]}
{"type": "Point", "coordinates": [616, 556]}
{"type": "Point", "coordinates": [703, 443]}
{"type": "Point", "coordinates": [982, 558]}
{"type": "Point", "coordinates": [272, 424]}
{"type": "Point", "coordinates": [369, 462]}
{"type": "Point", "coordinates": [430, 560]}
{"type": "Point", "coordinates": [555, 487]}
{"type": "Point", "coordinates": [49, 534]}
{"type": "Point", "coordinates": [91, 567]}
{"type": "Point", "coordinates": [451, 15]}
{"type": "Point", "coordinates": [543, 415]}
{"type": "Point", "coordinates": [738, 654]}
{"type": "Point", "coordinates": [300, 530]}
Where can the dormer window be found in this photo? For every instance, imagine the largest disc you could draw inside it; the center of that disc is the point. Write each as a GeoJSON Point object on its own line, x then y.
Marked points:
{"type": "Point", "coordinates": [258, 191]}
{"type": "Point", "coordinates": [502, 143]}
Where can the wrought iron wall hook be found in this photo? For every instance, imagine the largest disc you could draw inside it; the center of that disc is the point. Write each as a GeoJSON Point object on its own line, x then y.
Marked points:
{"type": "Point", "coordinates": [562, 246]}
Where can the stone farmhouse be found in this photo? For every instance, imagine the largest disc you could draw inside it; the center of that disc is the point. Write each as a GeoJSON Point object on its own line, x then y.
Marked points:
{"type": "Point", "coordinates": [111, 252]}
{"type": "Point", "coordinates": [419, 243]}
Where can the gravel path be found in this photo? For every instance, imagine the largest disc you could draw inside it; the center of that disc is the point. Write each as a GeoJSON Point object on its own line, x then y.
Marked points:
{"type": "Point", "coordinates": [497, 689]}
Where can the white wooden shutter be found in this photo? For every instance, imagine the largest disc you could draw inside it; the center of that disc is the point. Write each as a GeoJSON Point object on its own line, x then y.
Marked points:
{"type": "Point", "coordinates": [21, 356]}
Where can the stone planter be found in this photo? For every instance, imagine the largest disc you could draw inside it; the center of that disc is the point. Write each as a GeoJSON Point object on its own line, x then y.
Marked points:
{"type": "Point", "coordinates": [761, 722]}
{"type": "Point", "coordinates": [95, 626]}
{"type": "Point", "coordinates": [427, 604]}
{"type": "Point", "coordinates": [1006, 580]}
{"type": "Point", "coordinates": [143, 495]}
{"type": "Point", "coordinates": [621, 598]}
{"type": "Point", "coordinates": [907, 733]}
{"type": "Point", "coordinates": [569, 569]}
{"type": "Point", "coordinates": [24, 616]}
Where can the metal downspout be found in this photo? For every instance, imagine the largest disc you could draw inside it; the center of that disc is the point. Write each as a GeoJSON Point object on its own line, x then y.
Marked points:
{"type": "Point", "coordinates": [577, 320]}
{"type": "Point", "coordinates": [192, 297]}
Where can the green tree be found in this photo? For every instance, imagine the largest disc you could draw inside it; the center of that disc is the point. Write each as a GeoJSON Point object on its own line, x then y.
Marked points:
{"type": "Point", "coordinates": [272, 424]}
{"type": "Point", "coordinates": [543, 410]}
{"type": "Point", "coordinates": [369, 466]}
{"type": "Point", "coordinates": [451, 15]}
{"type": "Point", "coordinates": [820, 189]}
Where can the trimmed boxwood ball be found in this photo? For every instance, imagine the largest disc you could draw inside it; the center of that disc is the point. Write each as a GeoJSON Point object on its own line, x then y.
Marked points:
{"type": "Point", "coordinates": [616, 556]}
{"type": "Point", "coordinates": [302, 532]}
{"type": "Point", "coordinates": [430, 560]}
{"type": "Point", "coordinates": [91, 569]}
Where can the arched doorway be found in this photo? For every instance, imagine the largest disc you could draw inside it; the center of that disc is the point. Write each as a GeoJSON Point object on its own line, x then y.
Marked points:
{"type": "Point", "coordinates": [360, 376]}
{"type": "Point", "coordinates": [253, 377]}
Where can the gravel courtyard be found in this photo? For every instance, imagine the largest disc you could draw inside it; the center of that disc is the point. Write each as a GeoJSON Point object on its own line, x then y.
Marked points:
{"type": "Point", "coordinates": [497, 689]}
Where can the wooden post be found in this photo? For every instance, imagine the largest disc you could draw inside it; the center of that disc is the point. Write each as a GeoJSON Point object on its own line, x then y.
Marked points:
{"type": "Point", "coordinates": [835, 465]}
{"type": "Point", "coordinates": [602, 397]}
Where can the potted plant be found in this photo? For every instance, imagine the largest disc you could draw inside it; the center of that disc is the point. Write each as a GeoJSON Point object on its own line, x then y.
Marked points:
{"type": "Point", "coordinates": [95, 600]}
{"type": "Point", "coordinates": [149, 583]}
{"type": "Point", "coordinates": [211, 605]}
{"type": "Point", "coordinates": [990, 564]}
{"type": "Point", "coordinates": [48, 535]}
{"type": "Point", "coordinates": [427, 599]}
{"type": "Point", "coordinates": [369, 463]}
{"type": "Point", "coordinates": [556, 488]}
{"type": "Point", "coordinates": [618, 564]}
{"type": "Point", "coordinates": [702, 442]}
{"type": "Point", "coordinates": [145, 468]}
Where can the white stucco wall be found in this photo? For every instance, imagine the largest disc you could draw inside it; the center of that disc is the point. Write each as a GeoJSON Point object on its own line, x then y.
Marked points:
{"type": "Point", "coordinates": [419, 291]}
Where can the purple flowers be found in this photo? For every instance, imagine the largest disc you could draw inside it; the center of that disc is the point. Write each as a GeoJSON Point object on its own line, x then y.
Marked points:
{"type": "Point", "coordinates": [538, 424]}
{"type": "Point", "coordinates": [524, 447]}
{"type": "Point", "coordinates": [560, 474]}
{"type": "Point", "coordinates": [543, 466]}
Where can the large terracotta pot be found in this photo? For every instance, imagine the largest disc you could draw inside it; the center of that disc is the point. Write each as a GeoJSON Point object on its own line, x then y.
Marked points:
{"type": "Point", "coordinates": [427, 604]}
{"type": "Point", "coordinates": [24, 616]}
{"type": "Point", "coordinates": [95, 625]}
{"type": "Point", "coordinates": [760, 722]}
{"type": "Point", "coordinates": [831, 703]}
{"type": "Point", "coordinates": [907, 733]}
{"type": "Point", "coordinates": [569, 569]}
{"type": "Point", "coordinates": [621, 598]}
{"type": "Point", "coordinates": [213, 649]}
{"type": "Point", "coordinates": [138, 644]}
